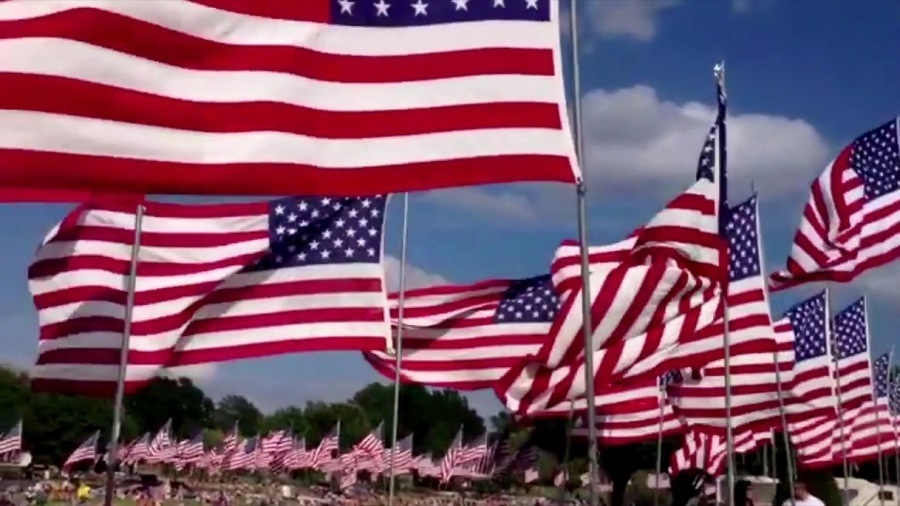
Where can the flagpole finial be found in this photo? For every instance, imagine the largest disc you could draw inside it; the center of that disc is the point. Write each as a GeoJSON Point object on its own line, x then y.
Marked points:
{"type": "Point", "coordinates": [719, 74]}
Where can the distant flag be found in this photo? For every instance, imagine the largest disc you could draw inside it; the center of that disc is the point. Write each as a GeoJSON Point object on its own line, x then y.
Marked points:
{"type": "Point", "coordinates": [318, 96]}
{"type": "Point", "coordinates": [162, 446]}
{"type": "Point", "coordinates": [467, 337]}
{"type": "Point", "coordinates": [329, 444]}
{"type": "Point", "coordinates": [85, 451]}
{"type": "Point", "coordinates": [11, 442]}
{"type": "Point", "coordinates": [215, 282]}
{"type": "Point", "coordinates": [871, 428]}
{"type": "Point", "coordinates": [451, 457]}
{"type": "Point", "coordinates": [848, 224]}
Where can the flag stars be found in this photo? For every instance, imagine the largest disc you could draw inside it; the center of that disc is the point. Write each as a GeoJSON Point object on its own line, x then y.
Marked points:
{"type": "Point", "coordinates": [381, 8]}
{"type": "Point", "coordinates": [531, 4]}
{"type": "Point", "coordinates": [420, 8]}
{"type": "Point", "coordinates": [346, 6]}
{"type": "Point", "coordinates": [461, 5]}
{"type": "Point", "coordinates": [500, 3]}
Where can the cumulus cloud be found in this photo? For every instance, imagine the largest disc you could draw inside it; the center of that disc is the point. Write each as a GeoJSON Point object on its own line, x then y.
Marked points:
{"type": "Point", "coordinates": [637, 143]}
{"type": "Point", "coordinates": [415, 276]}
{"type": "Point", "coordinates": [630, 19]}
{"type": "Point", "coordinates": [636, 140]}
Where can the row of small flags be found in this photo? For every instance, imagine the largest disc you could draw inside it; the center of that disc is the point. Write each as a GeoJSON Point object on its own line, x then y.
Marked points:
{"type": "Point", "coordinates": [283, 451]}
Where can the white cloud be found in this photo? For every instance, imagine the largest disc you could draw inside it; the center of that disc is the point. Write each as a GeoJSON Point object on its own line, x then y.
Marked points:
{"type": "Point", "coordinates": [635, 140]}
{"type": "Point", "coordinates": [637, 143]}
{"type": "Point", "coordinates": [882, 283]}
{"type": "Point", "coordinates": [415, 276]}
{"type": "Point", "coordinates": [630, 19]}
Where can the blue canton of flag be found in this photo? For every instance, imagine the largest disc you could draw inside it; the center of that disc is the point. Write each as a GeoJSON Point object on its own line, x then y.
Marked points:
{"type": "Point", "coordinates": [876, 158]}
{"type": "Point", "coordinates": [324, 230]}
{"type": "Point", "coordinates": [895, 396]}
{"type": "Point", "coordinates": [881, 370]}
{"type": "Point", "coordinates": [529, 300]}
{"type": "Point", "coordinates": [850, 331]}
{"type": "Point", "coordinates": [810, 335]}
{"type": "Point", "coordinates": [382, 13]}
{"type": "Point", "coordinates": [743, 241]}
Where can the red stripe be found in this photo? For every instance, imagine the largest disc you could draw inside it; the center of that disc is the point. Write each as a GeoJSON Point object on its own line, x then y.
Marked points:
{"type": "Point", "coordinates": [155, 43]}
{"type": "Point", "coordinates": [27, 169]}
{"type": "Point", "coordinates": [308, 10]}
{"type": "Point", "coordinates": [89, 100]}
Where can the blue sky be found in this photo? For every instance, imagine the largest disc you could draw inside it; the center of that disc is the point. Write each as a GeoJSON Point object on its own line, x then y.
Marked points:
{"type": "Point", "coordinates": [804, 78]}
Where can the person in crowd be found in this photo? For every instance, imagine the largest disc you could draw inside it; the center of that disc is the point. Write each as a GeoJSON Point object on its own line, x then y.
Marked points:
{"type": "Point", "coordinates": [802, 497]}
{"type": "Point", "coordinates": [742, 493]}
{"type": "Point", "coordinates": [688, 488]}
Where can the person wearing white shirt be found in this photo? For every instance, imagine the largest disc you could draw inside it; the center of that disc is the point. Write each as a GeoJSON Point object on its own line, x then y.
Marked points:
{"type": "Point", "coordinates": [802, 497]}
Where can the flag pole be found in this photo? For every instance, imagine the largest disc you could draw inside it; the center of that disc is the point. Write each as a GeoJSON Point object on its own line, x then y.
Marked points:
{"type": "Point", "coordinates": [877, 415]}
{"type": "Point", "coordinates": [581, 197]}
{"type": "Point", "coordinates": [726, 338]}
{"type": "Point", "coordinates": [840, 407]}
{"type": "Point", "coordinates": [113, 446]}
{"type": "Point", "coordinates": [398, 351]}
{"type": "Point", "coordinates": [789, 456]}
{"type": "Point", "coordinates": [659, 442]}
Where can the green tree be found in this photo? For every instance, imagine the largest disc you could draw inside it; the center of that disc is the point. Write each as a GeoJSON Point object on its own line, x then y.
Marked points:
{"type": "Point", "coordinates": [237, 409]}
{"type": "Point", "coordinates": [165, 398]}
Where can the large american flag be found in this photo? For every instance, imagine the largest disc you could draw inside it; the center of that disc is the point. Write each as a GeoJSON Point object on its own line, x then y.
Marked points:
{"type": "Point", "coordinates": [853, 371]}
{"type": "Point", "coordinates": [810, 403]}
{"type": "Point", "coordinates": [755, 367]}
{"type": "Point", "coordinates": [648, 310]}
{"type": "Point", "coordinates": [849, 223]}
{"type": "Point", "coordinates": [214, 283]}
{"type": "Point", "coordinates": [871, 428]}
{"type": "Point", "coordinates": [85, 451]}
{"type": "Point", "coordinates": [282, 96]}
{"type": "Point", "coordinates": [11, 441]}
{"type": "Point", "coordinates": [468, 337]}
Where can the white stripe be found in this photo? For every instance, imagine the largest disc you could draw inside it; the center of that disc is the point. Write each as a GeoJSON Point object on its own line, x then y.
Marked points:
{"type": "Point", "coordinates": [37, 131]}
{"type": "Point", "coordinates": [95, 65]}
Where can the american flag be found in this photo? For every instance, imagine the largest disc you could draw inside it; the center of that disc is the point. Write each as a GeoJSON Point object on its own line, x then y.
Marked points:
{"type": "Point", "coordinates": [810, 404]}
{"type": "Point", "coordinates": [702, 450]}
{"type": "Point", "coordinates": [331, 442]}
{"type": "Point", "coordinates": [138, 449]}
{"type": "Point", "coordinates": [190, 451]}
{"type": "Point", "coordinates": [871, 427]}
{"type": "Point", "coordinates": [243, 457]}
{"type": "Point", "coordinates": [162, 447]}
{"type": "Point", "coordinates": [647, 311]}
{"type": "Point", "coordinates": [452, 457]}
{"type": "Point", "coordinates": [373, 444]}
{"type": "Point", "coordinates": [11, 442]}
{"type": "Point", "coordinates": [217, 282]}
{"type": "Point", "coordinates": [755, 375]}
{"type": "Point", "coordinates": [278, 442]}
{"type": "Point", "coordinates": [318, 96]}
{"type": "Point", "coordinates": [853, 371]}
{"type": "Point", "coordinates": [639, 416]}
{"type": "Point", "coordinates": [468, 337]}
{"type": "Point", "coordinates": [848, 226]}
{"type": "Point", "coordinates": [403, 455]}
{"type": "Point", "coordinates": [894, 400]}
{"type": "Point", "coordinates": [85, 451]}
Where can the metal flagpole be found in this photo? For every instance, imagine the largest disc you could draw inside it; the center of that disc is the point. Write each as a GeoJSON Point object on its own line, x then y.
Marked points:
{"type": "Point", "coordinates": [765, 458]}
{"type": "Point", "coordinates": [401, 295]}
{"type": "Point", "coordinates": [112, 459]}
{"type": "Point", "coordinates": [659, 443]}
{"type": "Point", "coordinates": [784, 432]}
{"type": "Point", "coordinates": [581, 197]}
{"type": "Point", "coordinates": [840, 407]}
{"type": "Point", "coordinates": [726, 338]}
{"type": "Point", "coordinates": [881, 477]}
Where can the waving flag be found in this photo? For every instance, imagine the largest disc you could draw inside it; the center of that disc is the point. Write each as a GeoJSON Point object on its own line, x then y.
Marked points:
{"type": "Point", "coordinates": [468, 337]}
{"type": "Point", "coordinates": [849, 223]}
{"type": "Point", "coordinates": [214, 283]}
{"type": "Point", "coordinates": [755, 375]}
{"type": "Point", "coordinates": [85, 451]}
{"type": "Point", "coordinates": [871, 428]}
{"type": "Point", "coordinates": [660, 305]}
{"type": "Point", "coordinates": [854, 372]}
{"type": "Point", "coordinates": [810, 405]}
{"type": "Point", "coordinates": [266, 98]}
{"type": "Point", "coordinates": [11, 442]}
